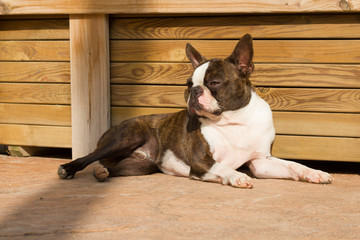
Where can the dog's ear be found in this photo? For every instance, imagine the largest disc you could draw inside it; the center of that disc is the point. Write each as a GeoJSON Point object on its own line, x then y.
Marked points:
{"type": "Point", "coordinates": [194, 56]}
{"type": "Point", "coordinates": [242, 56]}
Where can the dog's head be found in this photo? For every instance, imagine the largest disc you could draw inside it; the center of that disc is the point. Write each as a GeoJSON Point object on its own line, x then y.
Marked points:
{"type": "Point", "coordinates": [219, 85]}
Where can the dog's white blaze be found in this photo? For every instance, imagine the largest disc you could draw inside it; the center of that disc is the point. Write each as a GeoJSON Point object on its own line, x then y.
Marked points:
{"type": "Point", "coordinates": [199, 75]}
{"type": "Point", "coordinates": [174, 166]}
{"type": "Point", "coordinates": [206, 99]}
{"type": "Point", "coordinates": [241, 135]}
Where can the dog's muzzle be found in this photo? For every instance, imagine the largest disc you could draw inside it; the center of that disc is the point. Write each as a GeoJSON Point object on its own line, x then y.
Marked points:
{"type": "Point", "coordinates": [202, 103]}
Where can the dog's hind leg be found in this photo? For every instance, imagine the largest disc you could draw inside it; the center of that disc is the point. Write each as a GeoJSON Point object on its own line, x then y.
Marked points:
{"type": "Point", "coordinates": [140, 162]}
{"type": "Point", "coordinates": [120, 142]}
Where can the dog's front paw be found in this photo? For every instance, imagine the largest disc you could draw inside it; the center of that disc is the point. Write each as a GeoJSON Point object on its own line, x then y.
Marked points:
{"type": "Point", "coordinates": [65, 171]}
{"type": "Point", "coordinates": [317, 176]}
{"type": "Point", "coordinates": [100, 173]}
{"type": "Point", "coordinates": [240, 180]}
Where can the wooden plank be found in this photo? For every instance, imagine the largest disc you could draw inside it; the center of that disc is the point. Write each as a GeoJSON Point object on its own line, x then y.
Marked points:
{"type": "Point", "coordinates": [34, 29]}
{"type": "Point", "coordinates": [57, 115]}
{"type": "Point", "coordinates": [312, 99]}
{"type": "Point", "coordinates": [173, 6]}
{"type": "Point", "coordinates": [35, 93]}
{"type": "Point", "coordinates": [317, 124]}
{"type": "Point", "coordinates": [119, 114]}
{"type": "Point", "coordinates": [34, 51]}
{"type": "Point", "coordinates": [31, 135]}
{"type": "Point", "coordinates": [317, 148]}
{"type": "Point", "coordinates": [151, 73]}
{"type": "Point", "coordinates": [268, 51]}
{"type": "Point", "coordinates": [295, 123]}
{"type": "Point", "coordinates": [284, 99]}
{"type": "Point", "coordinates": [290, 75]}
{"type": "Point", "coordinates": [279, 26]}
{"type": "Point", "coordinates": [147, 95]}
{"type": "Point", "coordinates": [90, 82]}
{"type": "Point", "coordinates": [45, 72]}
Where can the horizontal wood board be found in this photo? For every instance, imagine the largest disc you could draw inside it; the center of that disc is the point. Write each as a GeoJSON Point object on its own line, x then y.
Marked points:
{"type": "Point", "coordinates": [230, 27]}
{"type": "Point", "coordinates": [35, 114]}
{"type": "Point", "coordinates": [293, 99]}
{"type": "Point", "coordinates": [27, 72]}
{"type": "Point", "coordinates": [291, 51]}
{"type": "Point", "coordinates": [267, 74]}
{"type": "Point", "coordinates": [174, 6]}
{"type": "Point", "coordinates": [33, 135]}
{"type": "Point", "coordinates": [266, 51]}
{"type": "Point", "coordinates": [35, 50]}
{"type": "Point", "coordinates": [34, 29]}
{"type": "Point", "coordinates": [35, 93]}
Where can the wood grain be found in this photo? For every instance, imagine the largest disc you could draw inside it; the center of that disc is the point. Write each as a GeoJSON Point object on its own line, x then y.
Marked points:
{"type": "Point", "coordinates": [30, 135]}
{"type": "Point", "coordinates": [293, 123]}
{"type": "Point", "coordinates": [278, 26]}
{"type": "Point", "coordinates": [317, 148]}
{"type": "Point", "coordinates": [36, 114]}
{"type": "Point", "coordinates": [35, 93]}
{"type": "Point", "coordinates": [317, 124]}
{"type": "Point", "coordinates": [147, 95]}
{"type": "Point", "coordinates": [173, 6]}
{"type": "Point", "coordinates": [119, 114]}
{"type": "Point", "coordinates": [303, 99]}
{"type": "Point", "coordinates": [90, 81]}
{"type": "Point", "coordinates": [285, 99]}
{"type": "Point", "coordinates": [34, 51]}
{"type": "Point", "coordinates": [45, 72]}
{"type": "Point", "coordinates": [290, 75]}
{"type": "Point", "coordinates": [266, 51]}
{"type": "Point", "coordinates": [34, 29]}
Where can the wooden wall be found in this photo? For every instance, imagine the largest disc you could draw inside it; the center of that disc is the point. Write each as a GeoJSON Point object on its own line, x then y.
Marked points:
{"type": "Point", "coordinates": [307, 67]}
{"type": "Point", "coordinates": [35, 82]}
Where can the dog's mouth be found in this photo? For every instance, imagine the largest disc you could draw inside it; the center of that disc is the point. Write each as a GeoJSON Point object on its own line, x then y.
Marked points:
{"type": "Point", "coordinates": [204, 106]}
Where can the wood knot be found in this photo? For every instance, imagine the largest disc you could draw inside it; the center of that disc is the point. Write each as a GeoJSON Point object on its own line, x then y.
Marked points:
{"type": "Point", "coordinates": [4, 8]}
{"type": "Point", "coordinates": [344, 5]}
{"type": "Point", "coordinates": [263, 90]}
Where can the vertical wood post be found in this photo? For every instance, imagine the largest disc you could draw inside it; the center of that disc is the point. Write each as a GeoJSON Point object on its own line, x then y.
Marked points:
{"type": "Point", "coordinates": [90, 81]}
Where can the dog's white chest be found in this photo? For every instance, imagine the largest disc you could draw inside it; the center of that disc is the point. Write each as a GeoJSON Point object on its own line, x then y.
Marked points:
{"type": "Point", "coordinates": [241, 135]}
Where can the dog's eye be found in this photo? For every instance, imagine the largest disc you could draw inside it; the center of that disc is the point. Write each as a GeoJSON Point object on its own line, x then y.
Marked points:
{"type": "Point", "coordinates": [214, 83]}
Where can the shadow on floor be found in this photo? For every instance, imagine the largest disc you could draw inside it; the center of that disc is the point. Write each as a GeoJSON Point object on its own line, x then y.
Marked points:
{"type": "Point", "coordinates": [42, 206]}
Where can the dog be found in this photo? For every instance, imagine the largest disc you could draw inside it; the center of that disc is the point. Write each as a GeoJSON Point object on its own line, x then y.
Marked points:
{"type": "Point", "coordinates": [225, 126]}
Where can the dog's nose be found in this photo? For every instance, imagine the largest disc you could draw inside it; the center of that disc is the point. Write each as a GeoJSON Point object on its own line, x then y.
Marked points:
{"type": "Point", "coordinates": [197, 91]}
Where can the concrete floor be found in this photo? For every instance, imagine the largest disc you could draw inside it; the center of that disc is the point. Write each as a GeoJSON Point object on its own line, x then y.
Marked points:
{"type": "Point", "coordinates": [35, 204]}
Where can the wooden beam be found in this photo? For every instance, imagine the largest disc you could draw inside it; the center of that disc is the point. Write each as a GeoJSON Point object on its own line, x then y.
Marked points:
{"type": "Point", "coordinates": [173, 6]}
{"type": "Point", "coordinates": [90, 81]}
